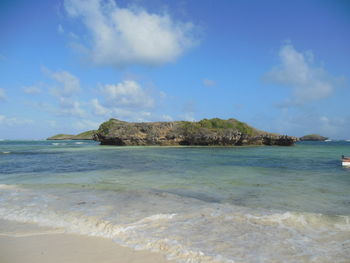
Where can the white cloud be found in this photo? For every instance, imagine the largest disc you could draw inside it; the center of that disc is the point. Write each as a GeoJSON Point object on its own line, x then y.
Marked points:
{"type": "Point", "coordinates": [128, 114]}
{"type": "Point", "coordinates": [2, 94]}
{"type": "Point", "coordinates": [122, 36]}
{"type": "Point", "coordinates": [65, 89]}
{"type": "Point", "coordinates": [70, 107]}
{"type": "Point", "coordinates": [14, 121]}
{"type": "Point", "coordinates": [166, 117]}
{"type": "Point", "coordinates": [132, 115]}
{"type": "Point", "coordinates": [188, 116]}
{"type": "Point", "coordinates": [127, 94]}
{"type": "Point", "coordinates": [31, 90]}
{"type": "Point", "coordinates": [189, 110]}
{"type": "Point", "coordinates": [60, 29]}
{"type": "Point", "coordinates": [298, 122]}
{"type": "Point", "coordinates": [209, 83]}
{"type": "Point", "coordinates": [98, 109]}
{"type": "Point", "coordinates": [129, 101]}
{"type": "Point", "coordinates": [335, 127]}
{"type": "Point", "coordinates": [84, 125]}
{"type": "Point", "coordinates": [68, 84]}
{"type": "Point", "coordinates": [74, 36]}
{"type": "Point", "coordinates": [307, 81]}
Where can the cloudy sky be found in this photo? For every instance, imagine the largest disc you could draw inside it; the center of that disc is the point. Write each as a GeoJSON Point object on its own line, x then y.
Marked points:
{"type": "Point", "coordinates": [68, 65]}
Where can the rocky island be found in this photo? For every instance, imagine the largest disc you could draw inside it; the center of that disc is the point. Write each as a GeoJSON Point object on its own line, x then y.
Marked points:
{"type": "Point", "coordinates": [88, 135]}
{"type": "Point", "coordinates": [313, 137]}
{"type": "Point", "coordinates": [207, 132]}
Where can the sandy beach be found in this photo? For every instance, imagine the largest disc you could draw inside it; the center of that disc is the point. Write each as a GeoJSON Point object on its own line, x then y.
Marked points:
{"type": "Point", "coordinates": [21, 242]}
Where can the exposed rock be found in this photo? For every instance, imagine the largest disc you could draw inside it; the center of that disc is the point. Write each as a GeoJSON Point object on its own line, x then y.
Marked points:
{"type": "Point", "coordinates": [313, 137]}
{"type": "Point", "coordinates": [88, 135]}
{"type": "Point", "coordinates": [205, 132]}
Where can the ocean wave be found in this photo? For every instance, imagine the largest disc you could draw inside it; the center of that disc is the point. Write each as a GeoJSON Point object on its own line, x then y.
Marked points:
{"type": "Point", "coordinates": [10, 186]}
{"type": "Point", "coordinates": [184, 229]}
{"type": "Point", "coordinates": [311, 220]}
{"type": "Point", "coordinates": [5, 152]}
{"type": "Point", "coordinates": [58, 143]}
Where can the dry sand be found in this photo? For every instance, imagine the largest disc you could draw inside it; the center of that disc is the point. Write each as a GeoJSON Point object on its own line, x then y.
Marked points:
{"type": "Point", "coordinates": [27, 243]}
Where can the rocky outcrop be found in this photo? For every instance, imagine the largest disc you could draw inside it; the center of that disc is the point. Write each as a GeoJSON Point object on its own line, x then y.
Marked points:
{"type": "Point", "coordinates": [313, 137]}
{"type": "Point", "coordinates": [88, 135]}
{"type": "Point", "coordinates": [205, 132]}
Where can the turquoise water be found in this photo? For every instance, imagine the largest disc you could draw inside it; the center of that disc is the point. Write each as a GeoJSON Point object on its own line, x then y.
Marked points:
{"type": "Point", "coordinates": [195, 204]}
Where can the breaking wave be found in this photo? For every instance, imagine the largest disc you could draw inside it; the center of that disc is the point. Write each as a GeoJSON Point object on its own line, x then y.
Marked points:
{"type": "Point", "coordinates": [184, 229]}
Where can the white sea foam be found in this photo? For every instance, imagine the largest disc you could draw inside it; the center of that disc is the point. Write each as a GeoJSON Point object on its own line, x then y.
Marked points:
{"type": "Point", "coordinates": [184, 229]}
{"type": "Point", "coordinates": [5, 152]}
{"type": "Point", "coordinates": [9, 186]}
{"type": "Point", "coordinates": [59, 143]}
{"type": "Point", "coordinates": [79, 143]}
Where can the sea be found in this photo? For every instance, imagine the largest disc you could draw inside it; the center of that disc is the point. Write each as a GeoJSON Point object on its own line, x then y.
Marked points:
{"type": "Point", "coordinates": [193, 204]}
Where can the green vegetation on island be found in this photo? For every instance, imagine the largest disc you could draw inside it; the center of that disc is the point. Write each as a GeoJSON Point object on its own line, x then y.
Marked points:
{"type": "Point", "coordinates": [219, 124]}
{"type": "Point", "coordinates": [61, 137]}
{"type": "Point", "coordinates": [88, 135]}
{"type": "Point", "coordinates": [205, 132]}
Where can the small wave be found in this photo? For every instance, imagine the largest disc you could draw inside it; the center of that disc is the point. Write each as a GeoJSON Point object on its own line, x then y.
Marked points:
{"type": "Point", "coordinates": [8, 186]}
{"type": "Point", "coordinates": [79, 143]}
{"type": "Point", "coordinates": [58, 143]}
{"type": "Point", "coordinates": [294, 219]}
{"type": "Point", "coordinates": [125, 234]}
{"type": "Point", "coordinates": [197, 232]}
{"type": "Point", "coordinates": [5, 152]}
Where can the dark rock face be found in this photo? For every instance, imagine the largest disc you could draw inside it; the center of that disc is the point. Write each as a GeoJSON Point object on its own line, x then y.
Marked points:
{"type": "Point", "coordinates": [313, 137]}
{"type": "Point", "coordinates": [206, 132]}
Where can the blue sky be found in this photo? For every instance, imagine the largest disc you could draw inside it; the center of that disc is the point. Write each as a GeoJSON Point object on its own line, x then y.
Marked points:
{"type": "Point", "coordinates": [68, 65]}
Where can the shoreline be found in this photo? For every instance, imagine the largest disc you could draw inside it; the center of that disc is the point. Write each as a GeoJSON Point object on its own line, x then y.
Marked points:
{"type": "Point", "coordinates": [24, 242]}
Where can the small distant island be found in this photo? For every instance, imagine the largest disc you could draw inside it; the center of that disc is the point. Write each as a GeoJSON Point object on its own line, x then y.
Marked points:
{"type": "Point", "coordinates": [88, 135]}
{"type": "Point", "coordinates": [313, 137]}
{"type": "Point", "coordinates": [207, 132]}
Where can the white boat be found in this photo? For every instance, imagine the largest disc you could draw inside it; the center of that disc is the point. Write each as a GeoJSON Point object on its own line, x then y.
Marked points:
{"type": "Point", "coordinates": [345, 161]}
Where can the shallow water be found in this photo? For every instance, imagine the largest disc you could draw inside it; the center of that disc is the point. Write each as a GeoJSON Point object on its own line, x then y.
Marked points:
{"type": "Point", "coordinates": [195, 204]}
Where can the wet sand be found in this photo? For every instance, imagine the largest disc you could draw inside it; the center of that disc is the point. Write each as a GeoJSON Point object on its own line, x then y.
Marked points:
{"type": "Point", "coordinates": [20, 243]}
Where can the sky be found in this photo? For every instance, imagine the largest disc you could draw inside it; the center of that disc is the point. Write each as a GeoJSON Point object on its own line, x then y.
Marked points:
{"type": "Point", "coordinates": [66, 66]}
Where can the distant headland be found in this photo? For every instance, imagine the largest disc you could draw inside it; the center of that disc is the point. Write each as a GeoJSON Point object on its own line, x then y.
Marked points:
{"type": "Point", "coordinates": [313, 137]}
{"type": "Point", "coordinates": [207, 132]}
{"type": "Point", "coordinates": [88, 135]}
